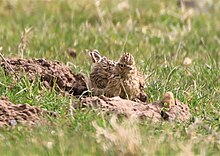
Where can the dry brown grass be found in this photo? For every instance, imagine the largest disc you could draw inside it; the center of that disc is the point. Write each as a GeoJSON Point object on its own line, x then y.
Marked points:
{"type": "Point", "coordinates": [25, 39]}
{"type": "Point", "coordinates": [124, 138]}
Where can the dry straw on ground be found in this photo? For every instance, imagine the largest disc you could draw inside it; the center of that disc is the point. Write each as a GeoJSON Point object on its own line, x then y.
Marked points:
{"type": "Point", "coordinates": [124, 138]}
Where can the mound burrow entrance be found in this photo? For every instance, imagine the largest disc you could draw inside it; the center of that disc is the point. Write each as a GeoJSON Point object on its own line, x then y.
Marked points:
{"type": "Point", "coordinates": [153, 111]}
{"type": "Point", "coordinates": [50, 72]}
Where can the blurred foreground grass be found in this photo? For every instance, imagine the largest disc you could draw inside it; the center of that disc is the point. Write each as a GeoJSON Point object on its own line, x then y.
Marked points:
{"type": "Point", "coordinates": [159, 35]}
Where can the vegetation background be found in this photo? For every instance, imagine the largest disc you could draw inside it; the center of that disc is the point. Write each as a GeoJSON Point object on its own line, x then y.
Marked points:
{"type": "Point", "coordinates": [158, 33]}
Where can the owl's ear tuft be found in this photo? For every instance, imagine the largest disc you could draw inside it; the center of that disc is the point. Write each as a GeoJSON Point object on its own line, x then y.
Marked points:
{"type": "Point", "coordinates": [96, 57]}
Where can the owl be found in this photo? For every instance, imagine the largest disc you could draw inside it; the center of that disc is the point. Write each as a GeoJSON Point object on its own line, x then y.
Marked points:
{"type": "Point", "coordinates": [126, 80]}
{"type": "Point", "coordinates": [102, 70]}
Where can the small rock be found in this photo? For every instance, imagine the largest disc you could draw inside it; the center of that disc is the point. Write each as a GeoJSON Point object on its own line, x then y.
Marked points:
{"type": "Point", "coordinates": [187, 61]}
{"type": "Point", "coordinates": [72, 52]}
{"type": "Point", "coordinates": [12, 122]}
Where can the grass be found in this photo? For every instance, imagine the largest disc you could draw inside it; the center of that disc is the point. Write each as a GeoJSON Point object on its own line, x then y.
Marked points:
{"type": "Point", "coordinates": [158, 36]}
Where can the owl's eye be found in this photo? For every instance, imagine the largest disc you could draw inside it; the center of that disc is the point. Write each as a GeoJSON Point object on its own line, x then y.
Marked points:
{"type": "Point", "coordinates": [105, 66]}
{"type": "Point", "coordinates": [122, 65]}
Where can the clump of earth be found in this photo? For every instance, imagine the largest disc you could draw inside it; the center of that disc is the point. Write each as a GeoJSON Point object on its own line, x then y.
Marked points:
{"type": "Point", "coordinates": [154, 111]}
{"type": "Point", "coordinates": [50, 72]}
{"type": "Point", "coordinates": [13, 114]}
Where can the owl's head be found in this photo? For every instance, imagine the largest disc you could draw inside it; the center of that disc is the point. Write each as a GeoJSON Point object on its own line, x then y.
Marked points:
{"type": "Point", "coordinates": [101, 62]}
{"type": "Point", "coordinates": [127, 59]}
{"type": "Point", "coordinates": [126, 63]}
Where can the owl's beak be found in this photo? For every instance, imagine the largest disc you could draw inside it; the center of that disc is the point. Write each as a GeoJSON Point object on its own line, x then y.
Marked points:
{"type": "Point", "coordinates": [130, 67]}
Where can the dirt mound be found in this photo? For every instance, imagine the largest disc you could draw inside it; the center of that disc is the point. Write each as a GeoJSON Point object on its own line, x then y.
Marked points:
{"type": "Point", "coordinates": [154, 111]}
{"type": "Point", "coordinates": [11, 114]}
{"type": "Point", "coordinates": [179, 112]}
{"type": "Point", "coordinates": [49, 73]}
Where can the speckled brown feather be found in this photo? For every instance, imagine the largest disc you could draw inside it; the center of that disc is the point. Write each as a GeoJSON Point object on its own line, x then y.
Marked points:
{"type": "Point", "coordinates": [101, 71]}
{"type": "Point", "coordinates": [132, 82]}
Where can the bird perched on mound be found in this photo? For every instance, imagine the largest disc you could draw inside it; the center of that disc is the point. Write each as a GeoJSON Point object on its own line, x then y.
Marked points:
{"type": "Point", "coordinates": [175, 109]}
{"type": "Point", "coordinates": [168, 100]}
{"type": "Point", "coordinates": [101, 71]}
{"type": "Point", "coordinates": [126, 81]}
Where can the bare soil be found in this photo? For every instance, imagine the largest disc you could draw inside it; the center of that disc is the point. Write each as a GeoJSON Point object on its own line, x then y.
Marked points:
{"type": "Point", "coordinates": [153, 111]}
{"type": "Point", "coordinates": [13, 114]}
{"type": "Point", "coordinates": [50, 72]}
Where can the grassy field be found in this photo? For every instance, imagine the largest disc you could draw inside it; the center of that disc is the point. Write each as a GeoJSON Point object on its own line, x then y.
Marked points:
{"type": "Point", "coordinates": [157, 33]}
